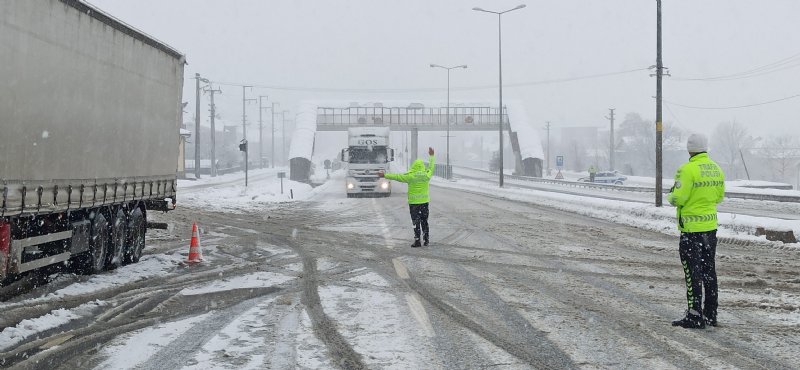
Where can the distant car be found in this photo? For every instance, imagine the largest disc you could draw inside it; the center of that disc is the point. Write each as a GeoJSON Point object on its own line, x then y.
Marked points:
{"type": "Point", "coordinates": [606, 177]}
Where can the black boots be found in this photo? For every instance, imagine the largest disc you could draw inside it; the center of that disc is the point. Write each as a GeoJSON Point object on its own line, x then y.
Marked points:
{"type": "Point", "coordinates": [711, 320]}
{"type": "Point", "coordinates": [425, 240]}
{"type": "Point", "coordinates": [416, 244]}
{"type": "Point", "coordinates": [691, 321]}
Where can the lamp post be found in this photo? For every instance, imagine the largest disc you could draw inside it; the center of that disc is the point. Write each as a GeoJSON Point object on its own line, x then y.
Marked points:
{"type": "Point", "coordinates": [500, 59]}
{"type": "Point", "coordinates": [447, 169]}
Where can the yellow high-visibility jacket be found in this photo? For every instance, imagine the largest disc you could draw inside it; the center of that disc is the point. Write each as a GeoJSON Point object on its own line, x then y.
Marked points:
{"type": "Point", "coordinates": [418, 179]}
{"type": "Point", "coordinates": [699, 187]}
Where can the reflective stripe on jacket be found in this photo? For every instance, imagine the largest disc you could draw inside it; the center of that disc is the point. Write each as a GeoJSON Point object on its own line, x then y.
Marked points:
{"type": "Point", "coordinates": [699, 187]}
{"type": "Point", "coordinates": [418, 179]}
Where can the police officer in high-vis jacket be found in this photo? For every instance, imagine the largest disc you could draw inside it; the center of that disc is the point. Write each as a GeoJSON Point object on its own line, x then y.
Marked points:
{"type": "Point", "coordinates": [699, 187]}
{"type": "Point", "coordinates": [418, 179]}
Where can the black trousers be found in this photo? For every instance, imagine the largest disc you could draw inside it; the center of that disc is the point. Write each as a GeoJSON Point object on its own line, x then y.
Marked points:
{"type": "Point", "coordinates": [698, 251]}
{"type": "Point", "coordinates": [419, 217]}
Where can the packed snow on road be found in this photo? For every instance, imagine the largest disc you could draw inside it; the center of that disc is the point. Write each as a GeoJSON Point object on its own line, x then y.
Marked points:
{"type": "Point", "coordinates": [513, 278]}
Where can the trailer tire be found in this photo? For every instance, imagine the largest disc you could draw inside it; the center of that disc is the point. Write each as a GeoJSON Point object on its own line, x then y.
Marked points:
{"type": "Point", "coordinates": [118, 239]}
{"type": "Point", "coordinates": [137, 227]}
{"type": "Point", "coordinates": [95, 260]}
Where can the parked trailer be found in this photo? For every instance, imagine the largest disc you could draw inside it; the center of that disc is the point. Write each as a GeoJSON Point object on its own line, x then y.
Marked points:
{"type": "Point", "coordinates": [90, 112]}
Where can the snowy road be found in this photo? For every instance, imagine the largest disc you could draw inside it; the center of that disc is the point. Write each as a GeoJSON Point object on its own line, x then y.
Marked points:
{"type": "Point", "coordinates": [331, 282]}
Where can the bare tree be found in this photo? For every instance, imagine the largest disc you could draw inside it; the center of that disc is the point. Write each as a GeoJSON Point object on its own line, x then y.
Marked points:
{"type": "Point", "coordinates": [783, 153]}
{"type": "Point", "coordinates": [577, 152]}
{"type": "Point", "coordinates": [637, 137]}
{"type": "Point", "coordinates": [729, 139]}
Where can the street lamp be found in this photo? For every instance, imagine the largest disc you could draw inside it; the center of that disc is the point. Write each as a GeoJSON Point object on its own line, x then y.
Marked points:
{"type": "Point", "coordinates": [447, 169]}
{"type": "Point", "coordinates": [500, 55]}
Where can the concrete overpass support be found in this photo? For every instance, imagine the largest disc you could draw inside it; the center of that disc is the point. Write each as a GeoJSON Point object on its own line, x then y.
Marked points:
{"type": "Point", "coordinates": [414, 145]}
{"type": "Point", "coordinates": [518, 170]}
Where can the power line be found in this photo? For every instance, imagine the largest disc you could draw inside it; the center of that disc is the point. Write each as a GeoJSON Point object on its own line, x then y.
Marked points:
{"type": "Point", "coordinates": [736, 106]}
{"type": "Point", "coordinates": [780, 65]}
{"type": "Point", "coordinates": [677, 120]}
{"type": "Point", "coordinates": [429, 89]}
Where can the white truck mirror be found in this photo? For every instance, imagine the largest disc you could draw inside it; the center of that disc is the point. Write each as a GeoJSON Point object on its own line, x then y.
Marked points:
{"type": "Point", "coordinates": [345, 155]}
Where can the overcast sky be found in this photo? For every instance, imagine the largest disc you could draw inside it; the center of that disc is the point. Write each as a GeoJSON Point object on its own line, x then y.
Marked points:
{"type": "Point", "coordinates": [369, 44]}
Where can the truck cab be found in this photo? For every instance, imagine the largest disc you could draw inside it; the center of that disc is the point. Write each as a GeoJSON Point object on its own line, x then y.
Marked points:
{"type": "Point", "coordinates": [367, 153]}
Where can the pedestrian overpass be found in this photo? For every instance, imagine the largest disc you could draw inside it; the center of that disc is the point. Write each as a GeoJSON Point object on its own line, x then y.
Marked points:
{"type": "Point", "coordinates": [416, 117]}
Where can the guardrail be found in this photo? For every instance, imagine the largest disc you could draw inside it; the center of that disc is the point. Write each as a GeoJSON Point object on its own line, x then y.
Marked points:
{"type": "Point", "coordinates": [642, 189]}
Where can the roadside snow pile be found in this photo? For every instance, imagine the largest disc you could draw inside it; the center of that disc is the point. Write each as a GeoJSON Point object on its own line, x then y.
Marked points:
{"type": "Point", "coordinates": [26, 328]}
{"type": "Point", "coordinates": [148, 266]}
{"type": "Point", "coordinates": [228, 193]}
{"type": "Point", "coordinates": [644, 216]}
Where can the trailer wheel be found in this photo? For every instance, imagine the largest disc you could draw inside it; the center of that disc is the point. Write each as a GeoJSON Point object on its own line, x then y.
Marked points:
{"type": "Point", "coordinates": [118, 236]}
{"type": "Point", "coordinates": [137, 227]}
{"type": "Point", "coordinates": [96, 257]}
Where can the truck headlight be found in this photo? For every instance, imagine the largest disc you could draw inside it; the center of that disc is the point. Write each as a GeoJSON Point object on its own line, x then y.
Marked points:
{"type": "Point", "coordinates": [385, 185]}
{"type": "Point", "coordinates": [350, 185]}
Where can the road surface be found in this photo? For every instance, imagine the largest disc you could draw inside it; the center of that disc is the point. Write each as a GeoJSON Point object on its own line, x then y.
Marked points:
{"type": "Point", "coordinates": [331, 282]}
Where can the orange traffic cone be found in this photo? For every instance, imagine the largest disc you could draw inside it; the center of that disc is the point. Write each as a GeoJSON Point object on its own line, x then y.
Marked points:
{"type": "Point", "coordinates": [195, 254]}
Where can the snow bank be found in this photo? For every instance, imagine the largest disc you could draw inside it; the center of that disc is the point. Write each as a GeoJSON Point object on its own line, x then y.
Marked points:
{"type": "Point", "coordinates": [530, 144]}
{"type": "Point", "coordinates": [230, 195]}
{"type": "Point", "coordinates": [644, 216]}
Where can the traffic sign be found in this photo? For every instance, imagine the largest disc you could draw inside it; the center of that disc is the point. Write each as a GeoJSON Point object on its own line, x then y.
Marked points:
{"type": "Point", "coordinates": [559, 161]}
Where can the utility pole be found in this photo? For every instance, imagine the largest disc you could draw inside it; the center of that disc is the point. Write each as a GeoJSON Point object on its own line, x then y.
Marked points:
{"type": "Point", "coordinates": [260, 132]}
{"type": "Point", "coordinates": [283, 136]}
{"type": "Point", "coordinates": [547, 127]}
{"type": "Point", "coordinates": [659, 126]}
{"type": "Point", "coordinates": [197, 127]}
{"type": "Point", "coordinates": [244, 113]}
{"type": "Point", "coordinates": [213, 113]}
{"type": "Point", "coordinates": [244, 129]}
{"type": "Point", "coordinates": [611, 143]}
{"type": "Point", "coordinates": [272, 136]}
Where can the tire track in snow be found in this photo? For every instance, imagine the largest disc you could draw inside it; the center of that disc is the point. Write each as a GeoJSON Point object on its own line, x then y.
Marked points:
{"type": "Point", "coordinates": [340, 350]}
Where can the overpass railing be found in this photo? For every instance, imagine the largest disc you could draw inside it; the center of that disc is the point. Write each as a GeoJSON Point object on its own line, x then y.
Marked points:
{"type": "Point", "coordinates": [406, 118]}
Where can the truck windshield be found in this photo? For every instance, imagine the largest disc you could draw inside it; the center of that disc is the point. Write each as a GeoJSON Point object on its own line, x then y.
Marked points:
{"type": "Point", "coordinates": [364, 155]}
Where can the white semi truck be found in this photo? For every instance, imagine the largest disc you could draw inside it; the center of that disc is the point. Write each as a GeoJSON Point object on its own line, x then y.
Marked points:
{"type": "Point", "coordinates": [367, 153]}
